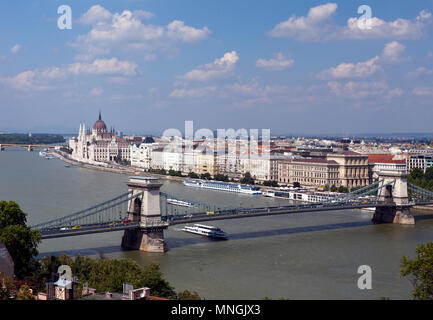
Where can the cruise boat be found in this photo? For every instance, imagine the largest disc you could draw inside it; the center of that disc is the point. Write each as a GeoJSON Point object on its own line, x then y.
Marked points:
{"type": "Point", "coordinates": [180, 203]}
{"type": "Point", "coordinates": [207, 231]}
{"type": "Point", "coordinates": [222, 186]}
{"type": "Point", "coordinates": [298, 195]}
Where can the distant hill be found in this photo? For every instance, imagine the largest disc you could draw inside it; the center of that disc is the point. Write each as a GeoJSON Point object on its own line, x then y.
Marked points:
{"type": "Point", "coordinates": [17, 138]}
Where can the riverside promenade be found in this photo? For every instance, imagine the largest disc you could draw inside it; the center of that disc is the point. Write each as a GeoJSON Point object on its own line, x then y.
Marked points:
{"type": "Point", "coordinates": [113, 168]}
{"type": "Point", "coordinates": [425, 210]}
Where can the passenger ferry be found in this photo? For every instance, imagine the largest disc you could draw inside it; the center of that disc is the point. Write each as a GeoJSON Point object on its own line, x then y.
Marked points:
{"type": "Point", "coordinates": [180, 203]}
{"type": "Point", "coordinates": [222, 186]}
{"type": "Point", "coordinates": [303, 196]}
{"type": "Point", "coordinates": [207, 231]}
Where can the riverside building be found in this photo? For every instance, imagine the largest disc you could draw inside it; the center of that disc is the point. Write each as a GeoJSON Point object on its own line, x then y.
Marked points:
{"type": "Point", "coordinates": [99, 145]}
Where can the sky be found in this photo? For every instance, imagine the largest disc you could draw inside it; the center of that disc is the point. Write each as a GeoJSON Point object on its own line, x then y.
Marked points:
{"type": "Point", "coordinates": [295, 67]}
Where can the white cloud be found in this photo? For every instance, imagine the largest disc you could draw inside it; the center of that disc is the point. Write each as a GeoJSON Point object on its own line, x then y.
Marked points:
{"type": "Point", "coordinates": [218, 68]}
{"type": "Point", "coordinates": [319, 25]}
{"type": "Point", "coordinates": [351, 70]}
{"type": "Point", "coordinates": [363, 89]}
{"type": "Point", "coordinates": [192, 93]}
{"type": "Point", "coordinates": [104, 66]}
{"type": "Point", "coordinates": [423, 91]}
{"type": "Point", "coordinates": [16, 48]}
{"type": "Point", "coordinates": [96, 92]}
{"type": "Point", "coordinates": [306, 28]}
{"type": "Point", "coordinates": [94, 15]}
{"type": "Point", "coordinates": [421, 71]}
{"type": "Point", "coordinates": [177, 30]}
{"type": "Point", "coordinates": [279, 62]}
{"type": "Point", "coordinates": [41, 79]}
{"type": "Point", "coordinates": [141, 14]}
{"type": "Point", "coordinates": [392, 53]}
{"type": "Point", "coordinates": [397, 29]}
{"type": "Point", "coordinates": [126, 31]}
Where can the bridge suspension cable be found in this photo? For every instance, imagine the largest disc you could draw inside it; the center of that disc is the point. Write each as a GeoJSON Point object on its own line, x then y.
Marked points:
{"type": "Point", "coordinates": [108, 211]}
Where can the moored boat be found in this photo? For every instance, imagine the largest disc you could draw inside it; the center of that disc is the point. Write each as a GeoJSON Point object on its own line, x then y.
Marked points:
{"type": "Point", "coordinates": [223, 186]}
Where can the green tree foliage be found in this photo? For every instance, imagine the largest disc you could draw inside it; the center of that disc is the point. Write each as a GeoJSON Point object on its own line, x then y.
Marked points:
{"type": "Point", "coordinates": [158, 171]}
{"type": "Point", "coordinates": [34, 139]}
{"type": "Point", "coordinates": [271, 183]}
{"type": "Point", "coordinates": [342, 189]}
{"type": "Point", "coordinates": [333, 188]}
{"type": "Point", "coordinates": [247, 179]}
{"type": "Point", "coordinates": [421, 179]}
{"type": "Point", "coordinates": [421, 271]}
{"type": "Point", "coordinates": [221, 177]}
{"type": "Point", "coordinates": [193, 175]}
{"type": "Point", "coordinates": [7, 288]}
{"type": "Point", "coordinates": [206, 176]}
{"type": "Point", "coordinates": [109, 275]}
{"type": "Point", "coordinates": [174, 173]}
{"type": "Point", "coordinates": [25, 293]}
{"type": "Point", "coordinates": [66, 150]}
{"type": "Point", "coordinates": [20, 240]}
{"type": "Point", "coordinates": [188, 295]}
{"type": "Point", "coordinates": [11, 214]}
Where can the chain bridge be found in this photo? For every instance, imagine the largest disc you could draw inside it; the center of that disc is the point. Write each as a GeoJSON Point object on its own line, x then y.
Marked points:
{"type": "Point", "coordinates": [144, 212]}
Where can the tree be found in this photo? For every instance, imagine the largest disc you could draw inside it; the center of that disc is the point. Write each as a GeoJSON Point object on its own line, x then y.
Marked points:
{"type": "Point", "coordinates": [206, 176]}
{"type": "Point", "coordinates": [188, 295]}
{"type": "Point", "coordinates": [11, 214]}
{"type": "Point", "coordinates": [221, 177]}
{"type": "Point", "coordinates": [342, 189]}
{"type": "Point", "coordinates": [428, 175]}
{"type": "Point", "coordinates": [20, 240]}
{"type": "Point", "coordinates": [247, 179]}
{"type": "Point", "coordinates": [271, 183]}
{"type": "Point", "coordinates": [421, 271]}
{"type": "Point", "coordinates": [7, 288]}
{"type": "Point", "coordinates": [193, 175]}
{"type": "Point", "coordinates": [416, 173]}
{"type": "Point", "coordinates": [333, 188]}
{"type": "Point", "coordinates": [25, 293]}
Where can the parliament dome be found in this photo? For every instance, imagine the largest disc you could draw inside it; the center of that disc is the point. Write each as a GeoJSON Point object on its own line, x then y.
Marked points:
{"type": "Point", "coordinates": [99, 125]}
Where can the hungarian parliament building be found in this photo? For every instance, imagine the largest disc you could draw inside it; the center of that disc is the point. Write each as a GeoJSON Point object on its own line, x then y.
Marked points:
{"type": "Point", "coordinates": [99, 145]}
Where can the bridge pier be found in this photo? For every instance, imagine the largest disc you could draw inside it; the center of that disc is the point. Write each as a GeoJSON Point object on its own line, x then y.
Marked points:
{"type": "Point", "coordinates": [398, 211]}
{"type": "Point", "coordinates": [145, 209]}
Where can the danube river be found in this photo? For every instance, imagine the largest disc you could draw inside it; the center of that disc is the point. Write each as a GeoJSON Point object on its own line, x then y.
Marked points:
{"type": "Point", "coordinates": [298, 256]}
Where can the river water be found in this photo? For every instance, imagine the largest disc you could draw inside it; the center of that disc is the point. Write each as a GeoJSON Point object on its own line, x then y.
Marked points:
{"type": "Point", "coordinates": [297, 256]}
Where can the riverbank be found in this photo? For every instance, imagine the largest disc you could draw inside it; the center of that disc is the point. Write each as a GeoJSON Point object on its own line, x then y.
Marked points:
{"type": "Point", "coordinates": [130, 171]}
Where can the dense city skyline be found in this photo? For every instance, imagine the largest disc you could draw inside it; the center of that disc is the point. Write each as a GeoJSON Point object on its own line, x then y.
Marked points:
{"type": "Point", "coordinates": [306, 68]}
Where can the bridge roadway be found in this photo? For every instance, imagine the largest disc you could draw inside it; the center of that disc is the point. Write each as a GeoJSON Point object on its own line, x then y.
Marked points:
{"type": "Point", "coordinates": [220, 215]}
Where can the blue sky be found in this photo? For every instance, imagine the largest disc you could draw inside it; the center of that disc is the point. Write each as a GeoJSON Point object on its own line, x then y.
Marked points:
{"type": "Point", "coordinates": [302, 67]}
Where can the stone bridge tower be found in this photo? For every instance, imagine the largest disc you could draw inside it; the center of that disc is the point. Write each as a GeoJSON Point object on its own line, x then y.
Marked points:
{"type": "Point", "coordinates": [396, 195]}
{"type": "Point", "coordinates": [145, 210]}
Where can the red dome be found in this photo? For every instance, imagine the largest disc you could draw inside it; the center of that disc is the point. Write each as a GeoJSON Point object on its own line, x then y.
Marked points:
{"type": "Point", "coordinates": [99, 125]}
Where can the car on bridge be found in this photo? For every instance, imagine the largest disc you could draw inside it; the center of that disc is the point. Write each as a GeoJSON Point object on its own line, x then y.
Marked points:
{"type": "Point", "coordinates": [76, 227]}
{"type": "Point", "coordinates": [64, 228]}
{"type": "Point", "coordinates": [113, 224]}
{"type": "Point", "coordinates": [126, 221]}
